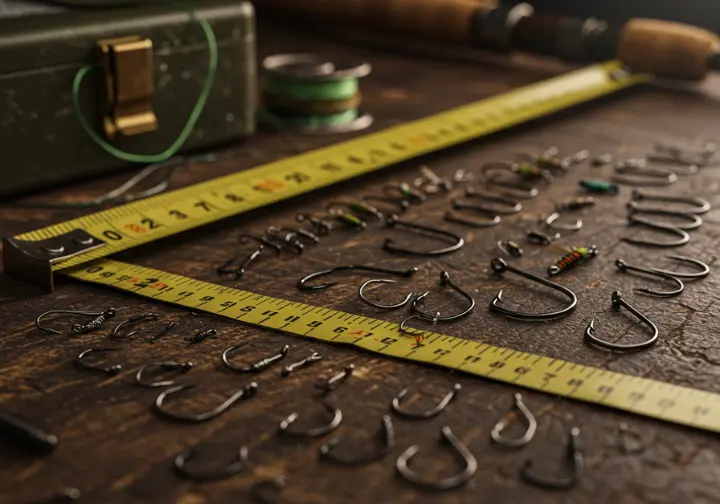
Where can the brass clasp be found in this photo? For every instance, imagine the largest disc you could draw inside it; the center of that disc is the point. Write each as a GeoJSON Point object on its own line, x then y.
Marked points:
{"type": "Point", "coordinates": [128, 63]}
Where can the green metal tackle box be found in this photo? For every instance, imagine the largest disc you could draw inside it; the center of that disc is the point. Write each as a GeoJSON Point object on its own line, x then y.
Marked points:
{"type": "Point", "coordinates": [150, 63]}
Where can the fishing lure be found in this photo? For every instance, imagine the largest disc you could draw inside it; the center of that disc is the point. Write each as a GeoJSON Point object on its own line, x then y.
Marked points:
{"type": "Point", "coordinates": [575, 203]}
{"type": "Point", "coordinates": [575, 256]}
{"type": "Point", "coordinates": [599, 186]}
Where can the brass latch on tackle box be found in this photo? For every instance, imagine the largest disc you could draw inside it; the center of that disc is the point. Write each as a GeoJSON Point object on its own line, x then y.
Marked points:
{"type": "Point", "coordinates": [128, 65]}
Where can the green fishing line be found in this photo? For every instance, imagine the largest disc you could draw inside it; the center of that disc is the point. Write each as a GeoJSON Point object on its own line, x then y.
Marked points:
{"type": "Point", "coordinates": [314, 121]}
{"type": "Point", "coordinates": [189, 126]}
{"type": "Point", "coordinates": [295, 89]}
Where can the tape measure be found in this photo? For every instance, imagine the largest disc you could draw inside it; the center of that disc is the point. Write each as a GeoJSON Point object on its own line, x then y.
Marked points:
{"type": "Point", "coordinates": [33, 256]}
{"type": "Point", "coordinates": [650, 398]}
{"type": "Point", "coordinates": [76, 248]}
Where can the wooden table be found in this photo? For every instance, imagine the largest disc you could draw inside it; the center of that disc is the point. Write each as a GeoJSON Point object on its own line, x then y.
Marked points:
{"type": "Point", "coordinates": [116, 450]}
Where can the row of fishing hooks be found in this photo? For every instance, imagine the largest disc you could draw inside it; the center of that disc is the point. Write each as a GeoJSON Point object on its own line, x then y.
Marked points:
{"type": "Point", "coordinates": [395, 200]}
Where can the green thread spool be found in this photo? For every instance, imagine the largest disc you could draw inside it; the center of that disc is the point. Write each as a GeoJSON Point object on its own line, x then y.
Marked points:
{"type": "Point", "coordinates": [310, 94]}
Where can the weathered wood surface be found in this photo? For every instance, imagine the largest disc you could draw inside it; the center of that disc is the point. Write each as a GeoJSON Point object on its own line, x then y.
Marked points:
{"type": "Point", "coordinates": [116, 450]}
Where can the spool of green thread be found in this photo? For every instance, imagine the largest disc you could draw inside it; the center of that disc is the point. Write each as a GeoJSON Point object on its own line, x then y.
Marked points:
{"type": "Point", "coordinates": [310, 94]}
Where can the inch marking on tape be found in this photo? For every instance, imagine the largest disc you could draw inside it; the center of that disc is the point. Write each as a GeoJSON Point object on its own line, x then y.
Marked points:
{"type": "Point", "coordinates": [133, 224]}
{"type": "Point", "coordinates": [671, 403]}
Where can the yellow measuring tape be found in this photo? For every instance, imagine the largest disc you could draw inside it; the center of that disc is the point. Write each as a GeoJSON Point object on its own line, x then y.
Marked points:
{"type": "Point", "coordinates": [133, 224]}
{"type": "Point", "coordinates": [77, 247]}
{"type": "Point", "coordinates": [650, 398]}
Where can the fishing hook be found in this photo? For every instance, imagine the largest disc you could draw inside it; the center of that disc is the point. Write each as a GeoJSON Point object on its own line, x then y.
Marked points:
{"type": "Point", "coordinates": [355, 206]}
{"type": "Point", "coordinates": [577, 203]}
{"type": "Point", "coordinates": [513, 189]}
{"type": "Point", "coordinates": [524, 171]}
{"type": "Point", "coordinates": [388, 439]}
{"type": "Point", "coordinates": [617, 302]}
{"type": "Point", "coordinates": [321, 226]}
{"type": "Point", "coordinates": [246, 392]}
{"type": "Point", "coordinates": [704, 268]}
{"type": "Point", "coordinates": [529, 418]}
{"type": "Point", "coordinates": [652, 176]}
{"type": "Point", "coordinates": [390, 246]}
{"type": "Point", "coordinates": [550, 222]}
{"type": "Point", "coordinates": [263, 241]}
{"type": "Point", "coordinates": [424, 414]}
{"type": "Point", "coordinates": [701, 205]}
{"type": "Point", "coordinates": [302, 283]}
{"type": "Point", "coordinates": [635, 220]}
{"type": "Point", "coordinates": [110, 371]}
{"type": "Point", "coordinates": [499, 265]}
{"type": "Point", "coordinates": [334, 381]}
{"type": "Point", "coordinates": [625, 267]}
{"type": "Point", "coordinates": [239, 271]}
{"type": "Point", "coordinates": [96, 323]}
{"type": "Point", "coordinates": [430, 182]}
{"type": "Point", "coordinates": [257, 366]}
{"type": "Point", "coordinates": [574, 461]}
{"type": "Point", "coordinates": [401, 205]}
{"type": "Point", "coordinates": [444, 484]}
{"type": "Point", "coordinates": [514, 206]}
{"type": "Point", "coordinates": [289, 240]}
{"type": "Point", "coordinates": [317, 431]}
{"type": "Point", "coordinates": [163, 332]}
{"type": "Point", "coordinates": [363, 296]}
{"type": "Point", "coordinates": [277, 483]}
{"type": "Point", "coordinates": [538, 238]}
{"type": "Point", "coordinates": [454, 217]}
{"type": "Point", "coordinates": [273, 231]}
{"type": "Point", "coordinates": [445, 281]}
{"type": "Point", "coordinates": [405, 192]}
{"type": "Point", "coordinates": [229, 470]}
{"type": "Point", "coordinates": [694, 221]}
{"type": "Point", "coordinates": [132, 320]}
{"type": "Point", "coordinates": [407, 330]}
{"type": "Point", "coordinates": [308, 361]}
{"type": "Point", "coordinates": [180, 367]}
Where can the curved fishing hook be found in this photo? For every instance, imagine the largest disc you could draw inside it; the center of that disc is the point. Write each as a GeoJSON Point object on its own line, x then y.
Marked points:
{"type": "Point", "coordinates": [512, 189]}
{"type": "Point", "coordinates": [514, 206]}
{"type": "Point", "coordinates": [704, 268]}
{"type": "Point", "coordinates": [445, 281]}
{"type": "Point", "coordinates": [635, 220]}
{"type": "Point", "coordinates": [529, 418]}
{"type": "Point", "coordinates": [412, 332]}
{"type": "Point", "coordinates": [390, 246]}
{"type": "Point", "coordinates": [104, 315]}
{"type": "Point", "coordinates": [617, 302]}
{"type": "Point", "coordinates": [701, 205]}
{"type": "Point", "coordinates": [363, 296]}
{"type": "Point", "coordinates": [132, 320]}
{"type": "Point", "coordinates": [256, 367]}
{"type": "Point", "coordinates": [401, 205]}
{"type": "Point", "coordinates": [302, 283]}
{"type": "Point", "coordinates": [273, 231]}
{"type": "Point", "coordinates": [238, 271]}
{"type": "Point", "coordinates": [246, 392]}
{"type": "Point", "coordinates": [256, 491]}
{"type": "Point", "coordinates": [550, 222]}
{"type": "Point", "coordinates": [499, 265]}
{"type": "Point", "coordinates": [639, 175]}
{"type": "Point", "coordinates": [317, 431]}
{"type": "Point", "coordinates": [388, 440]}
{"type": "Point", "coordinates": [493, 220]}
{"type": "Point", "coordinates": [180, 367]}
{"type": "Point", "coordinates": [233, 468]}
{"type": "Point", "coordinates": [444, 484]}
{"type": "Point", "coordinates": [336, 380]}
{"type": "Point", "coordinates": [321, 226]}
{"type": "Point", "coordinates": [694, 221]}
{"type": "Point", "coordinates": [574, 461]}
{"type": "Point", "coordinates": [110, 371]}
{"type": "Point", "coordinates": [424, 414]}
{"type": "Point", "coordinates": [625, 267]}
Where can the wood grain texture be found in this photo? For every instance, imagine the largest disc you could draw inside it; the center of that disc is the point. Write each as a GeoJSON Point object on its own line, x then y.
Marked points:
{"type": "Point", "coordinates": [117, 451]}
